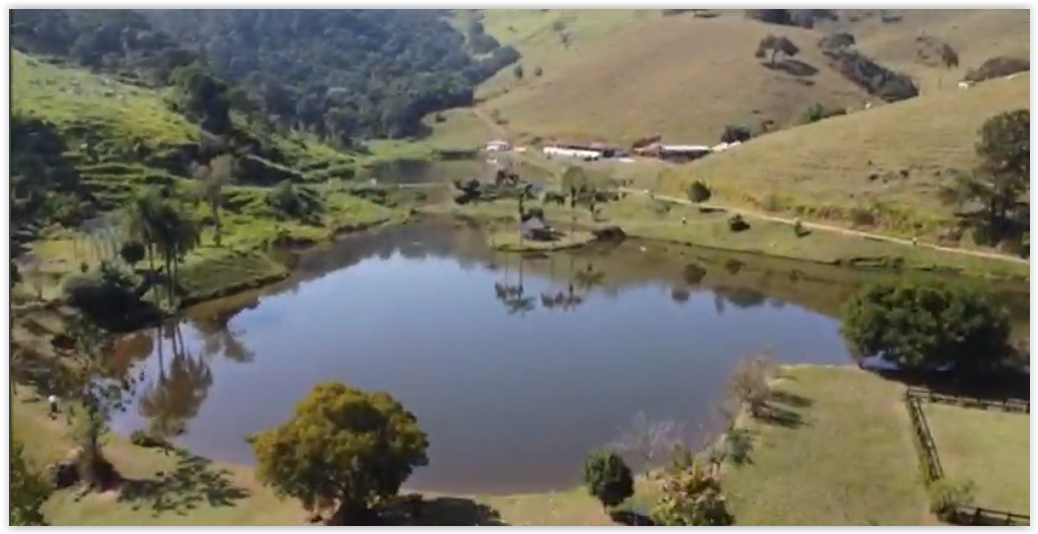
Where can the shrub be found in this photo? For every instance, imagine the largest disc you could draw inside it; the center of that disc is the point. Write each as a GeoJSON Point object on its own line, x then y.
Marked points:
{"type": "Point", "coordinates": [928, 325]}
{"type": "Point", "coordinates": [738, 444]}
{"type": "Point", "coordinates": [608, 478]}
{"type": "Point", "coordinates": [862, 216]}
{"type": "Point", "coordinates": [946, 496]}
{"type": "Point", "coordinates": [537, 71]}
{"type": "Point", "coordinates": [132, 252]}
{"type": "Point", "coordinates": [698, 192]}
{"type": "Point", "coordinates": [749, 384]}
{"type": "Point", "coordinates": [690, 495]}
{"type": "Point", "coordinates": [149, 440]}
{"type": "Point", "coordinates": [737, 224]}
{"type": "Point", "coordinates": [998, 67]}
{"type": "Point", "coordinates": [817, 112]}
{"type": "Point", "coordinates": [735, 134]}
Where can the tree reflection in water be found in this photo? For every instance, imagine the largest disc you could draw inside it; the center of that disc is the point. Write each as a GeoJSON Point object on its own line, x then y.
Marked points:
{"type": "Point", "coordinates": [219, 337]}
{"type": "Point", "coordinates": [173, 399]}
{"type": "Point", "coordinates": [514, 297]}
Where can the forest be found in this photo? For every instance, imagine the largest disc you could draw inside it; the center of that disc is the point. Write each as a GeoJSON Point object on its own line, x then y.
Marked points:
{"type": "Point", "coordinates": [341, 75]}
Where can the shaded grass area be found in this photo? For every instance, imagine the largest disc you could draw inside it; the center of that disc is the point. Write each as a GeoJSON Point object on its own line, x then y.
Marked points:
{"type": "Point", "coordinates": [835, 448]}
{"type": "Point", "coordinates": [989, 447]}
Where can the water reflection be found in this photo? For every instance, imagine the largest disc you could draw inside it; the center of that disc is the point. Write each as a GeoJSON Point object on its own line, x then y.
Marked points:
{"type": "Point", "coordinates": [170, 400]}
{"type": "Point", "coordinates": [512, 401]}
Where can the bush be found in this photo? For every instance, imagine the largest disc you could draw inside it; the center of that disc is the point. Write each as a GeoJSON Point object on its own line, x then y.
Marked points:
{"type": "Point", "coordinates": [735, 134]}
{"type": "Point", "coordinates": [946, 496]}
{"type": "Point", "coordinates": [608, 478]}
{"type": "Point", "coordinates": [998, 67]}
{"type": "Point", "coordinates": [928, 325]}
{"type": "Point", "coordinates": [132, 252]}
{"type": "Point", "coordinates": [698, 192]}
{"type": "Point", "coordinates": [749, 384]}
{"type": "Point", "coordinates": [690, 495]}
{"type": "Point", "coordinates": [737, 224]}
{"type": "Point", "coordinates": [738, 444]}
{"type": "Point", "coordinates": [343, 448]}
{"type": "Point", "coordinates": [149, 440]}
{"type": "Point", "coordinates": [817, 112]}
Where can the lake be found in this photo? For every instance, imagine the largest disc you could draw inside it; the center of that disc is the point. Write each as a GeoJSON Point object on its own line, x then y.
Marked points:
{"type": "Point", "coordinates": [513, 390]}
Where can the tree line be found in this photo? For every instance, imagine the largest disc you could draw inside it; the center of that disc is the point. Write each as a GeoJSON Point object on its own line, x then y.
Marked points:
{"type": "Point", "coordinates": [340, 74]}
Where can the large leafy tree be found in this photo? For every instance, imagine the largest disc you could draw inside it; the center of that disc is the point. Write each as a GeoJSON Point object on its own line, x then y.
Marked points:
{"type": "Point", "coordinates": [927, 325]}
{"type": "Point", "coordinates": [1000, 183]}
{"type": "Point", "coordinates": [343, 449]}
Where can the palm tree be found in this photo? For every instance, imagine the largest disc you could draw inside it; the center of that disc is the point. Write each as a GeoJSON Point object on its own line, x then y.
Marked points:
{"type": "Point", "coordinates": [212, 179]}
{"type": "Point", "coordinates": [142, 221]}
{"type": "Point", "coordinates": [176, 233]}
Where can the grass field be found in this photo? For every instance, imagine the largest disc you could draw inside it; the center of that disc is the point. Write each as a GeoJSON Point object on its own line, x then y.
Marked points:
{"type": "Point", "coordinates": [648, 76]}
{"type": "Point", "coordinates": [989, 447]}
{"type": "Point", "coordinates": [888, 161]}
{"type": "Point", "coordinates": [838, 451]}
{"type": "Point", "coordinates": [975, 34]}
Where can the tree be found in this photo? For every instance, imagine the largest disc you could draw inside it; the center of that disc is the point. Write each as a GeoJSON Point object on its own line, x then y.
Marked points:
{"type": "Point", "coordinates": [927, 325]}
{"type": "Point", "coordinates": [776, 45]}
{"type": "Point", "coordinates": [698, 192]}
{"type": "Point", "coordinates": [690, 495]}
{"type": "Point", "coordinates": [837, 41]}
{"type": "Point", "coordinates": [132, 252]}
{"type": "Point", "coordinates": [749, 384]}
{"type": "Point", "coordinates": [29, 489]}
{"type": "Point", "coordinates": [518, 72]}
{"type": "Point", "coordinates": [1001, 181]}
{"type": "Point", "coordinates": [212, 179]}
{"type": "Point", "coordinates": [608, 478]}
{"type": "Point", "coordinates": [342, 448]}
{"type": "Point", "coordinates": [88, 378]}
{"type": "Point", "coordinates": [735, 134]}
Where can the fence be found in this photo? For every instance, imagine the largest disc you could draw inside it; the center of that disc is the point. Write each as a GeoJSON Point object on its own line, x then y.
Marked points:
{"type": "Point", "coordinates": [930, 461]}
{"type": "Point", "coordinates": [1006, 405]}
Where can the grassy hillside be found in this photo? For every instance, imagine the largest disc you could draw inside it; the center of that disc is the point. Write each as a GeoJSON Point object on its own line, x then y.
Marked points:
{"type": "Point", "coordinates": [890, 159]}
{"type": "Point", "coordinates": [975, 34]}
{"type": "Point", "coordinates": [119, 138]}
{"type": "Point", "coordinates": [679, 76]}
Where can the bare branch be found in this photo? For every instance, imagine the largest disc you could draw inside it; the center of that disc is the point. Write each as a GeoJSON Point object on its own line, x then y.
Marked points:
{"type": "Point", "coordinates": [647, 441]}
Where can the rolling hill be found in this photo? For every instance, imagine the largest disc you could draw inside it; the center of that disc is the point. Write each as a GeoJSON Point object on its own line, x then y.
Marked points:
{"type": "Point", "coordinates": [888, 161]}
{"type": "Point", "coordinates": [619, 75]}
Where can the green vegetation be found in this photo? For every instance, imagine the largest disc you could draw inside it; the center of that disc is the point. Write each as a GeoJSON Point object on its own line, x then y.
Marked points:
{"type": "Point", "coordinates": [986, 447]}
{"type": "Point", "coordinates": [608, 478]}
{"type": "Point", "coordinates": [929, 325]}
{"type": "Point", "coordinates": [29, 490]}
{"type": "Point", "coordinates": [690, 496]}
{"type": "Point", "coordinates": [343, 450]}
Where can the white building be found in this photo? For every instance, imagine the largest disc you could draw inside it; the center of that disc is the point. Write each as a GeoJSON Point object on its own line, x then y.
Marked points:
{"type": "Point", "coordinates": [498, 146]}
{"type": "Point", "coordinates": [558, 151]}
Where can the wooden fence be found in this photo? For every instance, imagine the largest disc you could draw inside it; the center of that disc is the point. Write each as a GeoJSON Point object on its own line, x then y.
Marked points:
{"type": "Point", "coordinates": [1006, 405]}
{"type": "Point", "coordinates": [930, 461]}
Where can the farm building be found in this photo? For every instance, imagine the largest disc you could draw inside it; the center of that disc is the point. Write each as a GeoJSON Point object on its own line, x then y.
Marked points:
{"type": "Point", "coordinates": [498, 146]}
{"type": "Point", "coordinates": [568, 152]}
{"type": "Point", "coordinates": [676, 153]}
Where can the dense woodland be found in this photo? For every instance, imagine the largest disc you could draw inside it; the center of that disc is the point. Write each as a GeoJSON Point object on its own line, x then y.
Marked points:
{"type": "Point", "coordinates": [340, 74]}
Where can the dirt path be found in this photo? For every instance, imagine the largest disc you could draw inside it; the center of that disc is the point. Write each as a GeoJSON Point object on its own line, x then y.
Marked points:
{"type": "Point", "coordinates": [838, 229]}
{"type": "Point", "coordinates": [504, 133]}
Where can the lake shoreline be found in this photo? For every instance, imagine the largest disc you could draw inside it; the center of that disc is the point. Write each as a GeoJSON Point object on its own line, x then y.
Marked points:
{"type": "Point", "coordinates": [487, 223]}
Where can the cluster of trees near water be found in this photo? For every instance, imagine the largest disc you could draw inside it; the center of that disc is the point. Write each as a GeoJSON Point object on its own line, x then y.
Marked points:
{"type": "Point", "coordinates": [340, 74]}
{"type": "Point", "coordinates": [347, 452]}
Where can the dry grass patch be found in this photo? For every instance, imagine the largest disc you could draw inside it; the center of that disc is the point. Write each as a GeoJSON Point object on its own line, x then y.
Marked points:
{"type": "Point", "coordinates": [890, 160]}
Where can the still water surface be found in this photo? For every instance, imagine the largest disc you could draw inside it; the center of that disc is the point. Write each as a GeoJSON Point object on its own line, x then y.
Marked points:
{"type": "Point", "coordinates": [512, 390]}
